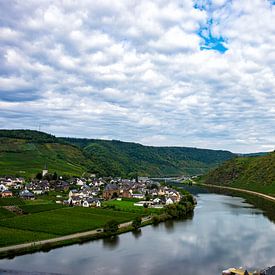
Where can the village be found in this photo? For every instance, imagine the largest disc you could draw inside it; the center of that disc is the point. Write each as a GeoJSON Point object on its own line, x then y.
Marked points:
{"type": "Point", "coordinates": [90, 191]}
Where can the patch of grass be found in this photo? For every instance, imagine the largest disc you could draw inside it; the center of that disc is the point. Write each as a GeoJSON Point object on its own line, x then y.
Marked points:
{"type": "Point", "coordinates": [66, 220]}
{"type": "Point", "coordinates": [11, 201]}
{"type": "Point", "coordinates": [128, 206]}
{"type": "Point", "coordinates": [10, 236]}
{"type": "Point", "coordinates": [4, 213]}
{"type": "Point", "coordinates": [36, 208]}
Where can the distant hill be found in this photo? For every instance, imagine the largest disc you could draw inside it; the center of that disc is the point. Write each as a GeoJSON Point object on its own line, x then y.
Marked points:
{"type": "Point", "coordinates": [254, 173]}
{"type": "Point", "coordinates": [115, 157]}
{"type": "Point", "coordinates": [25, 152]}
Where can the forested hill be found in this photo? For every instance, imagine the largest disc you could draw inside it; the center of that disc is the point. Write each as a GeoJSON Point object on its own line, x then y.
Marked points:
{"type": "Point", "coordinates": [25, 152]}
{"type": "Point", "coordinates": [126, 157]}
{"type": "Point", "coordinates": [254, 173]}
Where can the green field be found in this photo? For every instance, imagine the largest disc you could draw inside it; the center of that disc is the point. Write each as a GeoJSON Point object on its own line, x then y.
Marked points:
{"type": "Point", "coordinates": [57, 222]}
{"type": "Point", "coordinates": [36, 208]}
{"type": "Point", "coordinates": [128, 205]}
{"type": "Point", "coordinates": [4, 213]}
{"type": "Point", "coordinates": [11, 201]}
{"type": "Point", "coordinates": [10, 236]}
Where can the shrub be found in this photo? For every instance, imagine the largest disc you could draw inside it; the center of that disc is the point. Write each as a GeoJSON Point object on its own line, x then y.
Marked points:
{"type": "Point", "coordinates": [136, 223]}
{"type": "Point", "coordinates": [111, 227]}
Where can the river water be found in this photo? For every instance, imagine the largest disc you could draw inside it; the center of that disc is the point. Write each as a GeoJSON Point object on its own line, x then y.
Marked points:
{"type": "Point", "coordinates": [224, 232]}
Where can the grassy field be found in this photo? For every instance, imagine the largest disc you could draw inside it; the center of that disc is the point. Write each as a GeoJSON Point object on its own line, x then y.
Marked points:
{"type": "Point", "coordinates": [128, 205]}
{"type": "Point", "coordinates": [56, 222]}
{"type": "Point", "coordinates": [4, 213]}
{"type": "Point", "coordinates": [10, 236]}
{"type": "Point", "coordinates": [36, 208]}
{"type": "Point", "coordinates": [11, 201]}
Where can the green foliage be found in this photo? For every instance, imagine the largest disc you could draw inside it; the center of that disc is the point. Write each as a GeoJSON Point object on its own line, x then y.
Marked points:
{"type": "Point", "coordinates": [253, 173]}
{"type": "Point", "coordinates": [30, 135]}
{"type": "Point", "coordinates": [111, 226]}
{"type": "Point", "coordinates": [136, 223]}
{"type": "Point", "coordinates": [66, 221]}
{"type": "Point", "coordinates": [26, 158]}
{"type": "Point", "coordinates": [178, 210]}
{"type": "Point", "coordinates": [25, 152]}
{"type": "Point", "coordinates": [11, 236]}
{"type": "Point", "coordinates": [11, 201]}
{"type": "Point", "coordinates": [127, 205]}
{"type": "Point", "coordinates": [35, 208]}
{"type": "Point", "coordinates": [130, 159]}
{"type": "Point", "coordinates": [4, 213]}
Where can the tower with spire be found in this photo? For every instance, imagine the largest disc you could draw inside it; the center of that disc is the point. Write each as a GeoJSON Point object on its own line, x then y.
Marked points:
{"type": "Point", "coordinates": [45, 170]}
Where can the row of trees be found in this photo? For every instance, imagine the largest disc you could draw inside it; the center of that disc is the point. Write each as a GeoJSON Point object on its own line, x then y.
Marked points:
{"type": "Point", "coordinates": [112, 226]}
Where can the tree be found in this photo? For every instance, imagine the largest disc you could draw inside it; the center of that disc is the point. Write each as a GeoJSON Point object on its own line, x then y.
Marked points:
{"type": "Point", "coordinates": [111, 227]}
{"type": "Point", "coordinates": [136, 223]}
{"type": "Point", "coordinates": [39, 176]}
{"type": "Point", "coordinates": [55, 176]}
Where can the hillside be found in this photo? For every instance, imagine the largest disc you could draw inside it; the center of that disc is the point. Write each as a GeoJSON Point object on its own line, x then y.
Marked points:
{"type": "Point", "coordinates": [253, 173]}
{"type": "Point", "coordinates": [25, 152]}
{"type": "Point", "coordinates": [126, 158]}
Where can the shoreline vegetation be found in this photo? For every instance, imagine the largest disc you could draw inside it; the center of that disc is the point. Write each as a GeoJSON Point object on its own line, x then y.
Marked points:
{"type": "Point", "coordinates": [112, 227]}
{"type": "Point", "coordinates": [259, 194]}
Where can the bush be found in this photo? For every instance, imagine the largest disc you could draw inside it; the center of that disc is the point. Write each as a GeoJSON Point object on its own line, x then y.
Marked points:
{"type": "Point", "coordinates": [111, 227]}
{"type": "Point", "coordinates": [156, 220]}
{"type": "Point", "coordinates": [136, 223]}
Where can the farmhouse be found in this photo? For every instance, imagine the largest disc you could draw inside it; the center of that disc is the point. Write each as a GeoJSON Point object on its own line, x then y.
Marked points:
{"type": "Point", "coordinates": [6, 194]}
{"type": "Point", "coordinates": [26, 194]}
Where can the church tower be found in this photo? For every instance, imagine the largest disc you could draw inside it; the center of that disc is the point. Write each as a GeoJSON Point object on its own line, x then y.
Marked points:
{"type": "Point", "coordinates": [45, 170]}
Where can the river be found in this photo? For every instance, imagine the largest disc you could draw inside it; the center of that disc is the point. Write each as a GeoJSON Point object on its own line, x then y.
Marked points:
{"type": "Point", "coordinates": [224, 232]}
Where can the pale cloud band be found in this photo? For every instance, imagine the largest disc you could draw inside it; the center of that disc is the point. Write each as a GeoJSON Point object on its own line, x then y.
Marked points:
{"type": "Point", "coordinates": [190, 73]}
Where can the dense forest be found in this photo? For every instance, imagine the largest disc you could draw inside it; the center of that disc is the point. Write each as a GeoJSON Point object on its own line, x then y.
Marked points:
{"type": "Point", "coordinates": [127, 157]}
{"type": "Point", "coordinates": [25, 152]}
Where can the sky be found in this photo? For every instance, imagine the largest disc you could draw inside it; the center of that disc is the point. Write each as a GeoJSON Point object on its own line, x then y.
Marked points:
{"type": "Point", "coordinates": [164, 72]}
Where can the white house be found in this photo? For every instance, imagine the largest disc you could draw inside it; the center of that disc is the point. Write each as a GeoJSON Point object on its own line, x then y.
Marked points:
{"type": "Point", "coordinates": [169, 201]}
{"type": "Point", "coordinates": [79, 182]}
{"type": "Point", "coordinates": [138, 196]}
{"type": "Point", "coordinates": [38, 191]}
{"type": "Point", "coordinates": [157, 200]}
{"type": "Point", "coordinates": [90, 202]}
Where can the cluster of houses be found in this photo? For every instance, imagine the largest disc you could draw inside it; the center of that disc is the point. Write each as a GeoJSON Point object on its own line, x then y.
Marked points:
{"type": "Point", "coordinates": [7, 184]}
{"type": "Point", "coordinates": [90, 192]}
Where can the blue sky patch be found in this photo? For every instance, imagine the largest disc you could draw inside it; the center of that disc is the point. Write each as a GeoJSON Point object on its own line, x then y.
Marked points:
{"type": "Point", "coordinates": [213, 43]}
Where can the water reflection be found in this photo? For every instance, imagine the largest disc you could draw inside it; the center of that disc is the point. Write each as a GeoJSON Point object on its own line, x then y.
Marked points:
{"type": "Point", "coordinates": [137, 233]}
{"type": "Point", "coordinates": [169, 226]}
{"type": "Point", "coordinates": [224, 231]}
{"type": "Point", "coordinates": [111, 243]}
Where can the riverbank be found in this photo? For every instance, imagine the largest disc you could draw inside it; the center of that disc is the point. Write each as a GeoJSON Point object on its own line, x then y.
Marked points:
{"type": "Point", "coordinates": [190, 245]}
{"type": "Point", "coordinates": [237, 189]}
{"type": "Point", "coordinates": [46, 245]}
{"type": "Point", "coordinates": [180, 210]}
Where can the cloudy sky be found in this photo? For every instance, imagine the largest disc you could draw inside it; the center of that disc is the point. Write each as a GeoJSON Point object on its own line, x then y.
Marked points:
{"type": "Point", "coordinates": [189, 73]}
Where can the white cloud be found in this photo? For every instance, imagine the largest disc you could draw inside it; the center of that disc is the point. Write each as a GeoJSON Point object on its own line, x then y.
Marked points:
{"type": "Point", "coordinates": [135, 71]}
